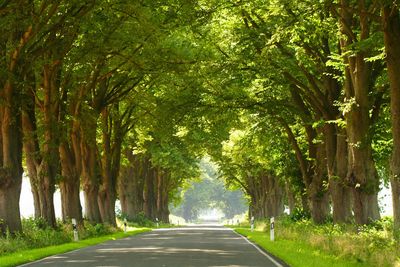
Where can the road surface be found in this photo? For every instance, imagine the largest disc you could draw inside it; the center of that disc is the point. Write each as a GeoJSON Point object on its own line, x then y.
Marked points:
{"type": "Point", "coordinates": [195, 246]}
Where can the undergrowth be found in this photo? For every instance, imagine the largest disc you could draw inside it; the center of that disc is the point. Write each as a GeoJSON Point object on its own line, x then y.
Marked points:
{"type": "Point", "coordinates": [140, 220]}
{"type": "Point", "coordinates": [36, 234]}
{"type": "Point", "coordinates": [373, 245]}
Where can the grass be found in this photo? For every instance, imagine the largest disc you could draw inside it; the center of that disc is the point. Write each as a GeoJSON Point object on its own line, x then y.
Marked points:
{"type": "Point", "coordinates": [303, 243]}
{"type": "Point", "coordinates": [25, 256]}
{"type": "Point", "coordinates": [295, 253]}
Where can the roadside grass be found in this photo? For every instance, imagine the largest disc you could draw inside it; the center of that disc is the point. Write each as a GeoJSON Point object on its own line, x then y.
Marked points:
{"type": "Point", "coordinates": [26, 256]}
{"type": "Point", "coordinates": [296, 253]}
{"type": "Point", "coordinates": [302, 243]}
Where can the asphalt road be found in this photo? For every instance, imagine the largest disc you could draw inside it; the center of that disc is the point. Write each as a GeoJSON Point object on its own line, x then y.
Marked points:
{"type": "Point", "coordinates": [178, 247]}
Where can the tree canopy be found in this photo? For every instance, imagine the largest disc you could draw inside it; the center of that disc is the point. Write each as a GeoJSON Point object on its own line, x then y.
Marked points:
{"type": "Point", "coordinates": [297, 102]}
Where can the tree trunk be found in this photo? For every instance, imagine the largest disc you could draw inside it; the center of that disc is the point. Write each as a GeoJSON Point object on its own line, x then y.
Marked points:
{"type": "Point", "coordinates": [131, 186]}
{"type": "Point", "coordinates": [128, 193]}
{"type": "Point", "coordinates": [160, 193]}
{"type": "Point", "coordinates": [31, 150]}
{"type": "Point", "coordinates": [304, 165]}
{"type": "Point", "coordinates": [49, 165]}
{"type": "Point", "coordinates": [11, 160]}
{"type": "Point", "coordinates": [70, 159]}
{"type": "Point", "coordinates": [362, 175]}
{"type": "Point", "coordinates": [90, 170]}
{"type": "Point", "coordinates": [69, 185]}
{"type": "Point", "coordinates": [290, 197]}
{"type": "Point", "coordinates": [107, 206]}
{"type": "Point", "coordinates": [316, 185]}
{"type": "Point", "coordinates": [162, 196]}
{"type": "Point", "coordinates": [107, 194]}
{"type": "Point", "coordinates": [336, 155]}
{"type": "Point", "coordinates": [10, 191]}
{"type": "Point", "coordinates": [257, 185]}
{"type": "Point", "coordinates": [70, 200]}
{"type": "Point", "coordinates": [340, 193]}
{"type": "Point", "coordinates": [11, 134]}
{"type": "Point", "coordinates": [46, 193]}
{"type": "Point", "coordinates": [274, 195]}
{"type": "Point", "coordinates": [317, 191]}
{"type": "Point", "coordinates": [36, 199]}
{"type": "Point", "coordinates": [149, 194]}
{"type": "Point", "coordinates": [304, 202]}
{"type": "Point", "coordinates": [111, 161]}
{"type": "Point", "coordinates": [164, 208]}
{"type": "Point", "coordinates": [391, 27]}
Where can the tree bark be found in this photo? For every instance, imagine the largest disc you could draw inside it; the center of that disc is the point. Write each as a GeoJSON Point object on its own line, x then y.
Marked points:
{"type": "Point", "coordinates": [317, 189]}
{"type": "Point", "coordinates": [362, 175]}
{"type": "Point", "coordinates": [31, 150]}
{"type": "Point", "coordinates": [70, 158]}
{"type": "Point", "coordinates": [274, 197]}
{"type": "Point", "coordinates": [11, 155]}
{"type": "Point", "coordinates": [162, 196]}
{"type": "Point", "coordinates": [131, 186]}
{"type": "Point", "coordinates": [110, 169]}
{"type": "Point", "coordinates": [149, 194]}
{"type": "Point", "coordinates": [340, 193]}
{"type": "Point", "coordinates": [313, 173]}
{"type": "Point", "coordinates": [69, 185]}
{"type": "Point", "coordinates": [11, 136]}
{"type": "Point", "coordinates": [336, 150]}
{"type": "Point", "coordinates": [90, 169]}
{"type": "Point", "coordinates": [291, 197]}
{"type": "Point", "coordinates": [49, 165]}
{"type": "Point", "coordinates": [391, 27]}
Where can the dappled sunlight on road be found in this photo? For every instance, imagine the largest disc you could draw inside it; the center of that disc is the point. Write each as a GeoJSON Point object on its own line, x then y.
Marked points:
{"type": "Point", "coordinates": [163, 250]}
{"type": "Point", "coordinates": [190, 246]}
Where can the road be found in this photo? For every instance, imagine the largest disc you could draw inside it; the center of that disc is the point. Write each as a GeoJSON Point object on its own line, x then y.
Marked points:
{"type": "Point", "coordinates": [195, 246]}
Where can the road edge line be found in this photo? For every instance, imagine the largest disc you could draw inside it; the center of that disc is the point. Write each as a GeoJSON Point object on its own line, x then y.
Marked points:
{"type": "Point", "coordinates": [259, 249]}
{"type": "Point", "coordinates": [75, 250]}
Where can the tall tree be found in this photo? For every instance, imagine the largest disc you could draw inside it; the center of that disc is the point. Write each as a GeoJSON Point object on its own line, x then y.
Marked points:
{"type": "Point", "coordinates": [391, 29]}
{"type": "Point", "coordinates": [13, 44]}
{"type": "Point", "coordinates": [356, 28]}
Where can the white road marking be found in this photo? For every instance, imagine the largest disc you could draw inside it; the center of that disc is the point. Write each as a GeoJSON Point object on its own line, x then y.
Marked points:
{"type": "Point", "coordinates": [260, 250]}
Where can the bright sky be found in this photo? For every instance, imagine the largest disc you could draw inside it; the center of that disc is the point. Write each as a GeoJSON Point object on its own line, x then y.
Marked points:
{"type": "Point", "coordinates": [26, 201]}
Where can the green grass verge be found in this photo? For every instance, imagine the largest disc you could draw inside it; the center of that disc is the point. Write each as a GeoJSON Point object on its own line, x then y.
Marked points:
{"type": "Point", "coordinates": [297, 254]}
{"type": "Point", "coordinates": [26, 256]}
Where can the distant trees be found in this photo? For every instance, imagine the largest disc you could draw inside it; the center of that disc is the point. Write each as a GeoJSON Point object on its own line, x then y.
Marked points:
{"type": "Point", "coordinates": [209, 193]}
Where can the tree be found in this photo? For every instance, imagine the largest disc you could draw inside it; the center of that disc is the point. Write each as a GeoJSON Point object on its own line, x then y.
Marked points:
{"type": "Point", "coordinates": [391, 29]}
{"type": "Point", "coordinates": [357, 29]}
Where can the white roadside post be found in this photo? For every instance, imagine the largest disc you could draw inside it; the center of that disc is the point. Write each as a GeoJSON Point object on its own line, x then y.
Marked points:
{"type": "Point", "coordinates": [157, 222]}
{"type": "Point", "coordinates": [125, 224]}
{"type": "Point", "coordinates": [272, 231]}
{"type": "Point", "coordinates": [252, 223]}
{"type": "Point", "coordinates": [75, 229]}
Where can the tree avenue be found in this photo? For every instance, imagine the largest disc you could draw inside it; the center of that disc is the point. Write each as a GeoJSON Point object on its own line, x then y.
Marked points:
{"type": "Point", "coordinates": [296, 102]}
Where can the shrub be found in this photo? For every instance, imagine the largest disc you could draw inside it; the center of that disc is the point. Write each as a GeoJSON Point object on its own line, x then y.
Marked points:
{"type": "Point", "coordinates": [93, 230]}
{"type": "Point", "coordinates": [299, 214]}
{"type": "Point", "coordinates": [37, 234]}
{"type": "Point", "coordinates": [140, 220]}
{"type": "Point", "coordinates": [373, 244]}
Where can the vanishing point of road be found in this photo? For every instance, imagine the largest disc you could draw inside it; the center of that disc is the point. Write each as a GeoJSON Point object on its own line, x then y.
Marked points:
{"type": "Point", "coordinates": [194, 246]}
